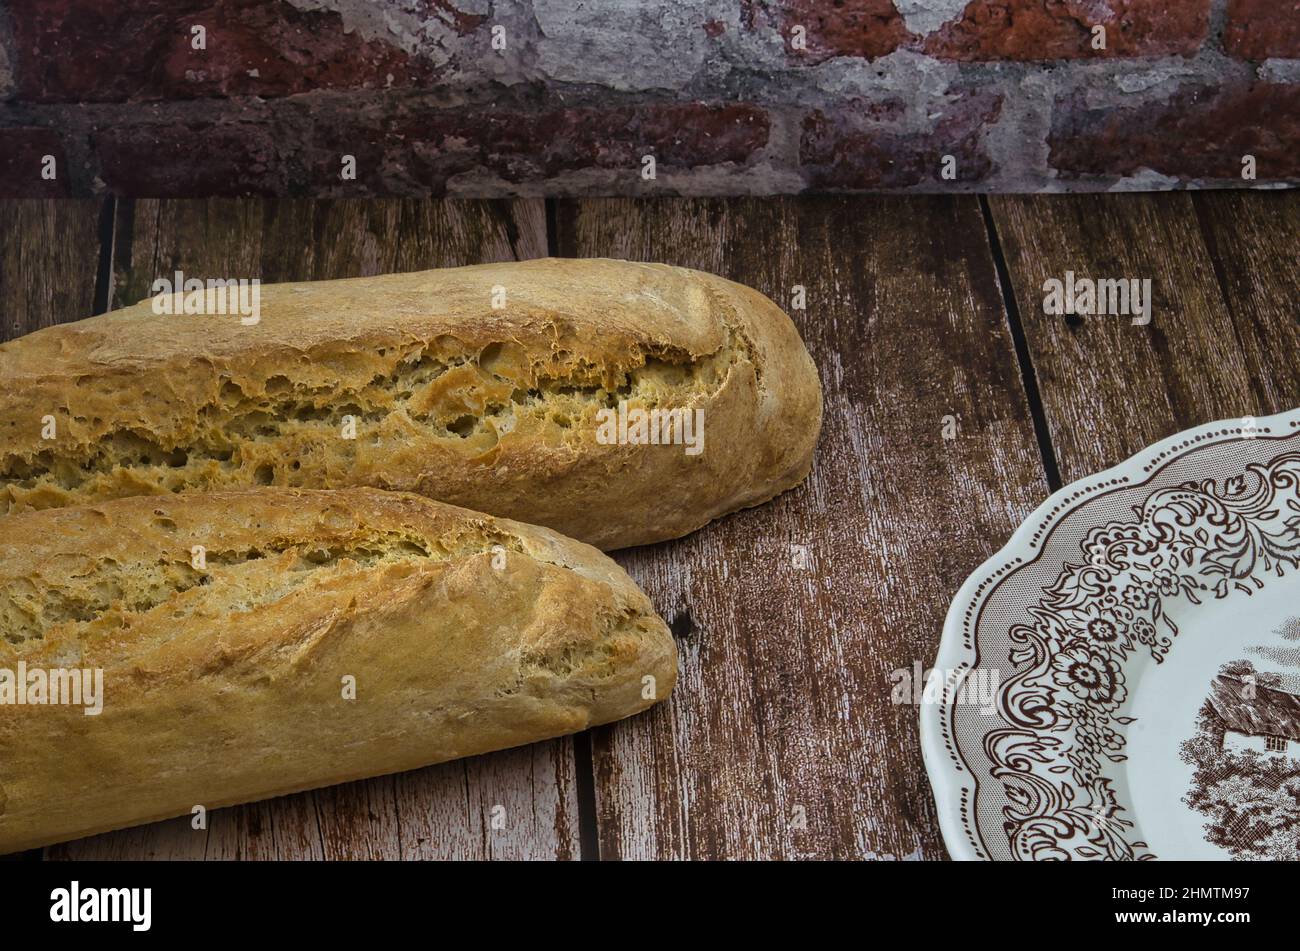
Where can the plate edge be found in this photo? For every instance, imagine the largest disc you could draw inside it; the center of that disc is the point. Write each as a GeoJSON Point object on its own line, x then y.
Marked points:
{"type": "Point", "coordinates": [945, 778]}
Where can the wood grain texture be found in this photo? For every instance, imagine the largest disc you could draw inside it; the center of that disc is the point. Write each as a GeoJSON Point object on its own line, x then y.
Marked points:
{"type": "Point", "coordinates": [442, 811]}
{"type": "Point", "coordinates": [1110, 388]}
{"type": "Point", "coordinates": [49, 256]}
{"type": "Point", "coordinates": [1253, 239]}
{"type": "Point", "coordinates": [781, 740]}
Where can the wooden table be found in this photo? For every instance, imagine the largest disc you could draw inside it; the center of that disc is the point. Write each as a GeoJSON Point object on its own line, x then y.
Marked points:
{"type": "Point", "coordinates": [953, 407]}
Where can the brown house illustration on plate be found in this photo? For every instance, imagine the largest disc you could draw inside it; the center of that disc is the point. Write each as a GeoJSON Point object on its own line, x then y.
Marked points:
{"type": "Point", "coordinates": [1255, 717]}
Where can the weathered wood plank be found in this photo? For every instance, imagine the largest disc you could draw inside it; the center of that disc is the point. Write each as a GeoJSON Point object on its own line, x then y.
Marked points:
{"type": "Point", "coordinates": [1253, 239]}
{"type": "Point", "coordinates": [49, 255]}
{"type": "Point", "coordinates": [443, 811]}
{"type": "Point", "coordinates": [904, 320]}
{"type": "Point", "coordinates": [1110, 388]}
{"type": "Point", "coordinates": [781, 739]}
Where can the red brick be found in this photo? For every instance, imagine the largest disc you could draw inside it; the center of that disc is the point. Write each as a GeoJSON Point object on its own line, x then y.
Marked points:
{"type": "Point", "coordinates": [404, 153]}
{"type": "Point", "coordinates": [22, 151]}
{"type": "Point", "coordinates": [1198, 133]}
{"type": "Point", "coordinates": [852, 148]}
{"type": "Point", "coordinates": [534, 146]}
{"type": "Point", "coordinates": [88, 50]}
{"type": "Point", "coordinates": [1260, 29]}
{"type": "Point", "coordinates": [227, 158]}
{"type": "Point", "coordinates": [1062, 29]}
{"type": "Point", "coordinates": [862, 28]}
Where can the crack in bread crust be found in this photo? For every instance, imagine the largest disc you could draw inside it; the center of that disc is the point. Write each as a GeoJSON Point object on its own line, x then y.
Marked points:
{"type": "Point", "coordinates": [458, 399]}
{"type": "Point", "coordinates": [105, 594]}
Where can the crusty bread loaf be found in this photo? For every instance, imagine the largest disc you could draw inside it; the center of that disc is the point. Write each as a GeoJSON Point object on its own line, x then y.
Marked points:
{"type": "Point", "coordinates": [495, 409]}
{"type": "Point", "coordinates": [226, 683]}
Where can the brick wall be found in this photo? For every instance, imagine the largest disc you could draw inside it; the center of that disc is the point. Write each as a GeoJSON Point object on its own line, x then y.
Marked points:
{"type": "Point", "coordinates": [498, 97]}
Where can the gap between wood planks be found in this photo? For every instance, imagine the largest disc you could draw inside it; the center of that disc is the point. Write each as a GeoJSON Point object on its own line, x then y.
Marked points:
{"type": "Point", "coordinates": [584, 764]}
{"type": "Point", "coordinates": [104, 270]}
{"type": "Point", "coordinates": [1028, 378]}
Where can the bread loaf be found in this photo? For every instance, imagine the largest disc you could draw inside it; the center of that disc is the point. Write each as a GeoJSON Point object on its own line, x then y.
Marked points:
{"type": "Point", "coordinates": [490, 387]}
{"type": "Point", "coordinates": [229, 626]}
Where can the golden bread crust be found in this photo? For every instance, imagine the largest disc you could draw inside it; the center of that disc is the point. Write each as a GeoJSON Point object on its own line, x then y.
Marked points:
{"type": "Point", "coordinates": [493, 409]}
{"type": "Point", "coordinates": [464, 633]}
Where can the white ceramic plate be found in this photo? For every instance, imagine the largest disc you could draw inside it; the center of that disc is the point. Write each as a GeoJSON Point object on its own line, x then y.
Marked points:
{"type": "Point", "coordinates": [1131, 664]}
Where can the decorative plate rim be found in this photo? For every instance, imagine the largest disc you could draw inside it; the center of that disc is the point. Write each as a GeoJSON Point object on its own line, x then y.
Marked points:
{"type": "Point", "coordinates": [948, 781]}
